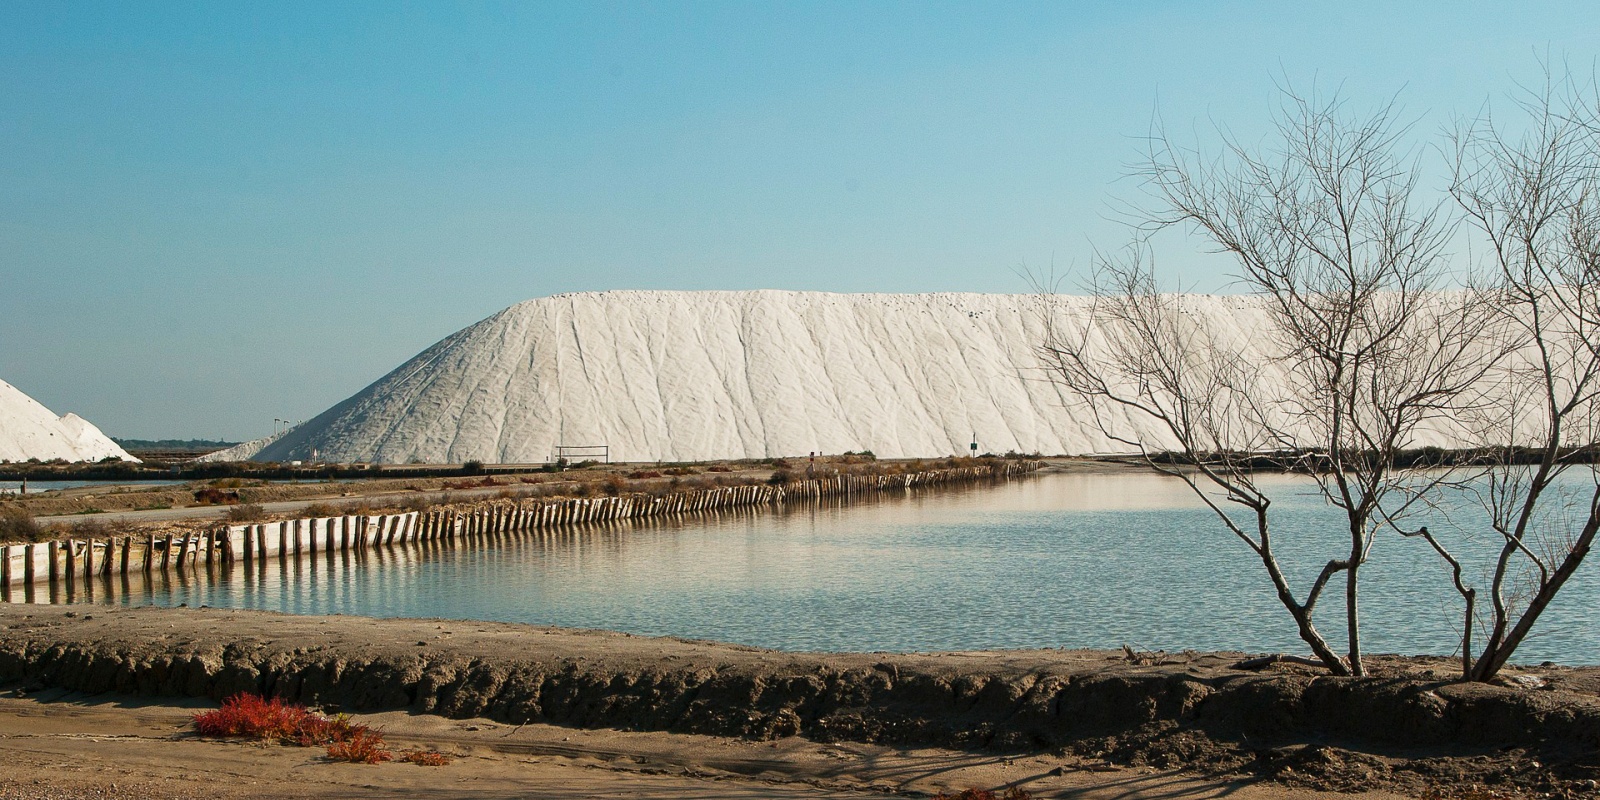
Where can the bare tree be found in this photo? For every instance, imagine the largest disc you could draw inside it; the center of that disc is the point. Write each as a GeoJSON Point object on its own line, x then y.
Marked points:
{"type": "Point", "coordinates": [1535, 198]}
{"type": "Point", "coordinates": [1343, 266]}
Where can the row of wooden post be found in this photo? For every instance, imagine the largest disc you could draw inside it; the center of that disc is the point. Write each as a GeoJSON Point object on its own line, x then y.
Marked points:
{"type": "Point", "coordinates": [54, 561]}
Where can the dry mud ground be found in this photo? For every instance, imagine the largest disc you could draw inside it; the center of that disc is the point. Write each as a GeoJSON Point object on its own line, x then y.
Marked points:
{"type": "Point", "coordinates": [557, 712]}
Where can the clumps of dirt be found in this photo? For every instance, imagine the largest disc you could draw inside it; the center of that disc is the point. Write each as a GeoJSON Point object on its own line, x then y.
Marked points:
{"type": "Point", "coordinates": [1504, 774]}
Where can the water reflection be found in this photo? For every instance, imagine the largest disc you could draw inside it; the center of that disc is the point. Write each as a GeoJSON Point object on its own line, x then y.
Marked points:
{"type": "Point", "coordinates": [1057, 560]}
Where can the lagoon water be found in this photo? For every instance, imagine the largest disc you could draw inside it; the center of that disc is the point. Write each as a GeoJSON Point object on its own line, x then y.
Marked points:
{"type": "Point", "coordinates": [1053, 560]}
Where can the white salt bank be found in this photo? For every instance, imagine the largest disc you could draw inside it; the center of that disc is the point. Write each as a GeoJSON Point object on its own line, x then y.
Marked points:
{"type": "Point", "coordinates": [29, 430]}
{"type": "Point", "coordinates": [678, 376]}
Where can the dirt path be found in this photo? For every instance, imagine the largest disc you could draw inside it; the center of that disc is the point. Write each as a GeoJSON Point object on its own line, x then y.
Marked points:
{"type": "Point", "coordinates": [64, 745]}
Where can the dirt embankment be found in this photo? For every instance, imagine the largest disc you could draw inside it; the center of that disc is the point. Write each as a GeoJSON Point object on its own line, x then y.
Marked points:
{"type": "Point", "coordinates": [1407, 727]}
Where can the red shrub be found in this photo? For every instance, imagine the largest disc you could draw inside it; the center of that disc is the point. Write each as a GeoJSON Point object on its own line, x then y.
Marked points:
{"type": "Point", "coordinates": [425, 758]}
{"type": "Point", "coordinates": [273, 720]}
{"type": "Point", "coordinates": [249, 715]}
{"type": "Point", "coordinates": [365, 746]}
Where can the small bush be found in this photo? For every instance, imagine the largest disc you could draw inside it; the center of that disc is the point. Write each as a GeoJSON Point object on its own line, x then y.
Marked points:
{"type": "Point", "coordinates": [582, 490]}
{"type": "Point", "coordinates": [780, 478]}
{"type": "Point", "coordinates": [425, 758]}
{"type": "Point", "coordinates": [472, 468]}
{"type": "Point", "coordinates": [365, 746]}
{"type": "Point", "coordinates": [215, 497]}
{"type": "Point", "coordinates": [248, 512]}
{"type": "Point", "coordinates": [319, 510]}
{"type": "Point", "coordinates": [417, 503]}
{"type": "Point", "coordinates": [17, 525]}
{"type": "Point", "coordinates": [613, 485]}
{"type": "Point", "coordinates": [719, 468]}
{"type": "Point", "coordinates": [642, 474]}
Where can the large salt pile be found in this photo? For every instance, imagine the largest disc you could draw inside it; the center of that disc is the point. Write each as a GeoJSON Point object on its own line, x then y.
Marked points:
{"type": "Point", "coordinates": [674, 376]}
{"type": "Point", "coordinates": [29, 430]}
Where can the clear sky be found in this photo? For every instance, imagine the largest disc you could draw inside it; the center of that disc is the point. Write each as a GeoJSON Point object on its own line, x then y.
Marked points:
{"type": "Point", "coordinates": [217, 214]}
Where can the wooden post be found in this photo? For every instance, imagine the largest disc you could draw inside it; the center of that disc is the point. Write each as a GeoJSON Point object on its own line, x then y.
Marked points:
{"type": "Point", "coordinates": [127, 547]}
{"type": "Point", "coordinates": [27, 564]}
{"type": "Point", "coordinates": [183, 553]}
{"type": "Point", "coordinates": [5, 568]}
{"type": "Point", "coordinates": [330, 541]}
{"type": "Point", "coordinates": [249, 543]}
{"type": "Point", "coordinates": [88, 559]}
{"type": "Point", "coordinates": [72, 561]}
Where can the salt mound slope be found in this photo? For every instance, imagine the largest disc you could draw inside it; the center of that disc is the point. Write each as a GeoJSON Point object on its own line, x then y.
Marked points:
{"type": "Point", "coordinates": [680, 376]}
{"type": "Point", "coordinates": [243, 451]}
{"type": "Point", "coordinates": [29, 430]}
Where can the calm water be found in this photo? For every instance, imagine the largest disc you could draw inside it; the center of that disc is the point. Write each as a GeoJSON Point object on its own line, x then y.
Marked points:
{"type": "Point", "coordinates": [1050, 561]}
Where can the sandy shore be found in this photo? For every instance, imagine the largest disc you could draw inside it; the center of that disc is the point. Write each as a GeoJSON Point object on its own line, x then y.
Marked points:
{"type": "Point", "coordinates": [59, 744]}
{"type": "Point", "coordinates": [543, 705]}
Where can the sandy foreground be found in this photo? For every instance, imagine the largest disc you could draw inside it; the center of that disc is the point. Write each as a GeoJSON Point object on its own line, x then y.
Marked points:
{"type": "Point", "coordinates": [91, 697]}
{"type": "Point", "coordinates": [58, 744]}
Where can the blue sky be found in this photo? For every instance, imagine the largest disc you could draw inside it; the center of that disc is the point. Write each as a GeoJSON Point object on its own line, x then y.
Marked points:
{"type": "Point", "coordinates": [217, 214]}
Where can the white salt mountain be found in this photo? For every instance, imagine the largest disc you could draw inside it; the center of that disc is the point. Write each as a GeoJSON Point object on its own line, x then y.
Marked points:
{"type": "Point", "coordinates": [29, 430]}
{"type": "Point", "coordinates": [683, 376]}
